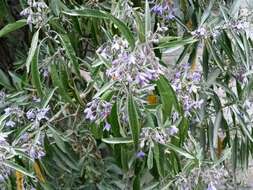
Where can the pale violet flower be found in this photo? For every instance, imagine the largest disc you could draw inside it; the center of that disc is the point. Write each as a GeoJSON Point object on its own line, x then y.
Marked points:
{"type": "Point", "coordinates": [38, 114]}
{"type": "Point", "coordinates": [173, 130]}
{"type": "Point", "coordinates": [200, 33]}
{"type": "Point", "coordinates": [107, 126]}
{"type": "Point", "coordinates": [211, 186]}
{"type": "Point", "coordinates": [36, 152]}
{"type": "Point", "coordinates": [13, 111]}
{"type": "Point", "coordinates": [135, 68]}
{"type": "Point", "coordinates": [140, 154]}
{"type": "Point", "coordinates": [164, 10]}
{"type": "Point", "coordinates": [98, 110]}
{"type": "Point", "coordinates": [10, 123]}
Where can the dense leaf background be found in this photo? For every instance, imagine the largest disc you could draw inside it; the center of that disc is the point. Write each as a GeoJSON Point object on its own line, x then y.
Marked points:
{"type": "Point", "coordinates": [90, 97]}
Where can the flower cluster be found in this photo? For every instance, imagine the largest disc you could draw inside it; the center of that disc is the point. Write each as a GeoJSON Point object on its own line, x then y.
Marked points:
{"type": "Point", "coordinates": [212, 177]}
{"type": "Point", "coordinates": [164, 9]}
{"type": "Point", "coordinates": [33, 148]}
{"type": "Point", "coordinates": [13, 111]}
{"type": "Point", "coordinates": [135, 68]}
{"type": "Point", "coordinates": [14, 114]}
{"type": "Point", "coordinates": [36, 13]}
{"type": "Point", "coordinates": [205, 32]}
{"type": "Point", "coordinates": [124, 11]}
{"type": "Point", "coordinates": [201, 32]}
{"type": "Point", "coordinates": [186, 82]}
{"type": "Point", "coordinates": [37, 115]}
{"type": "Point", "coordinates": [98, 110]}
{"type": "Point", "coordinates": [158, 134]}
{"type": "Point", "coordinates": [4, 171]}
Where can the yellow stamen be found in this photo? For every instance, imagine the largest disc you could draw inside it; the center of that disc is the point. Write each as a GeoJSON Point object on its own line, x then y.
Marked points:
{"type": "Point", "coordinates": [152, 99]}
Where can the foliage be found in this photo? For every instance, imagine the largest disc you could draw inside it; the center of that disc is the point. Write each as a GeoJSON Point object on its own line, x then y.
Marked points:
{"type": "Point", "coordinates": [93, 102]}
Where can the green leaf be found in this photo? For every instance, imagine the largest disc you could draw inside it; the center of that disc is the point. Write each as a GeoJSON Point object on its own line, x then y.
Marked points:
{"type": "Point", "coordinates": [207, 13]}
{"type": "Point", "coordinates": [137, 183]}
{"type": "Point", "coordinates": [36, 74]}
{"type": "Point", "coordinates": [12, 27]}
{"type": "Point", "coordinates": [58, 140]}
{"type": "Point", "coordinates": [217, 124]}
{"type": "Point", "coordinates": [93, 13]}
{"type": "Point", "coordinates": [234, 153]}
{"type": "Point", "coordinates": [113, 119]}
{"type": "Point", "coordinates": [4, 80]}
{"type": "Point", "coordinates": [118, 140]}
{"type": "Point", "coordinates": [70, 53]}
{"type": "Point", "coordinates": [147, 19]}
{"type": "Point", "coordinates": [216, 57]}
{"type": "Point", "coordinates": [150, 158]}
{"type": "Point", "coordinates": [140, 26]}
{"type": "Point", "coordinates": [180, 151]}
{"type": "Point", "coordinates": [18, 168]}
{"type": "Point", "coordinates": [105, 88]}
{"type": "Point", "coordinates": [157, 156]}
{"type": "Point", "coordinates": [32, 50]}
{"type": "Point", "coordinates": [168, 96]}
{"type": "Point", "coordinates": [3, 9]}
{"type": "Point", "coordinates": [133, 120]}
{"type": "Point", "coordinates": [57, 81]}
{"type": "Point", "coordinates": [48, 98]}
{"type": "Point", "coordinates": [176, 43]}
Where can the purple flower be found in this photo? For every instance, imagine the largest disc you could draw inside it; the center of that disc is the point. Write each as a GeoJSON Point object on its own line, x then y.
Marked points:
{"type": "Point", "coordinates": [107, 126]}
{"type": "Point", "coordinates": [141, 79]}
{"type": "Point", "coordinates": [186, 66]}
{"type": "Point", "coordinates": [24, 137]}
{"type": "Point", "coordinates": [26, 12]}
{"type": "Point", "coordinates": [196, 76]}
{"type": "Point", "coordinates": [211, 186]}
{"type": "Point", "coordinates": [97, 110]}
{"type": "Point", "coordinates": [200, 33]}
{"type": "Point", "coordinates": [13, 111]}
{"type": "Point", "coordinates": [89, 114]}
{"type": "Point", "coordinates": [30, 114]}
{"type": "Point", "coordinates": [2, 178]}
{"type": "Point", "coordinates": [2, 139]}
{"type": "Point", "coordinates": [164, 10]}
{"type": "Point", "coordinates": [106, 109]}
{"type": "Point", "coordinates": [136, 67]}
{"type": "Point", "coordinates": [36, 152]}
{"type": "Point", "coordinates": [173, 130]}
{"type": "Point", "coordinates": [41, 114]}
{"type": "Point", "coordinates": [140, 154]}
{"type": "Point", "coordinates": [177, 75]}
{"type": "Point", "coordinates": [10, 123]}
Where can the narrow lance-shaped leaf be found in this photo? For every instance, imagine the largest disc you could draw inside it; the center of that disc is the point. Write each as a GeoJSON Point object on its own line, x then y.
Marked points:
{"type": "Point", "coordinates": [217, 124]}
{"type": "Point", "coordinates": [12, 27]}
{"type": "Point", "coordinates": [36, 74]}
{"type": "Point", "coordinates": [147, 19]}
{"type": "Point", "coordinates": [168, 96]}
{"type": "Point", "coordinates": [32, 50]}
{"type": "Point", "coordinates": [92, 13]}
{"type": "Point", "coordinates": [118, 140]}
{"type": "Point", "coordinates": [133, 120]}
{"type": "Point", "coordinates": [180, 151]}
{"type": "Point", "coordinates": [58, 83]}
{"type": "Point", "coordinates": [70, 53]}
{"type": "Point", "coordinates": [18, 168]}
